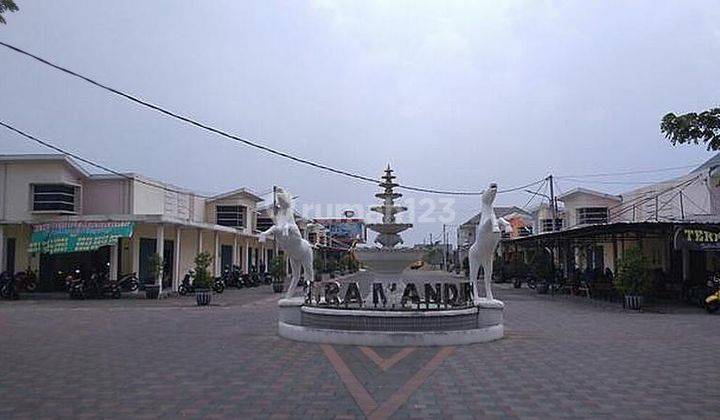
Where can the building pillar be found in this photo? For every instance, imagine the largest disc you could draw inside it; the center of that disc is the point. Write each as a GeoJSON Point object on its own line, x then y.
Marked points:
{"type": "Point", "coordinates": [200, 241]}
{"type": "Point", "coordinates": [176, 260]}
{"type": "Point", "coordinates": [2, 249]}
{"type": "Point", "coordinates": [235, 250]}
{"type": "Point", "coordinates": [135, 250]}
{"type": "Point", "coordinates": [685, 265]}
{"type": "Point", "coordinates": [216, 255]}
{"type": "Point", "coordinates": [160, 249]}
{"type": "Point", "coordinates": [113, 269]}
{"type": "Point", "coordinates": [245, 258]}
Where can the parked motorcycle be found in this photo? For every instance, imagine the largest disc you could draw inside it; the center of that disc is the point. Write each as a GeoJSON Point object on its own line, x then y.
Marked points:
{"type": "Point", "coordinates": [712, 302]}
{"type": "Point", "coordinates": [26, 280]}
{"type": "Point", "coordinates": [129, 282]}
{"type": "Point", "coordinates": [232, 277]}
{"type": "Point", "coordinates": [186, 285]}
{"type": "Point", "coordinates": [7, 286]}
{"type": "Point", "coordinates": [74, 285]}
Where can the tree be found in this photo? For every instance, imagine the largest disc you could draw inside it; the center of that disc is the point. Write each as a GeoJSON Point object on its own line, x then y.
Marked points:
{"type": "Point", "coordinates": [693, 128]}
{"type": "Point", "coordinates": [7, 6]}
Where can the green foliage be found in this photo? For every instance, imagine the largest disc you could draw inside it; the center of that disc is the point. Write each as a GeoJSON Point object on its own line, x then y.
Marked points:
{"type": "Point", "coordinates": [433, 256]}
{"type": "Point", "coordinates": [693, 128]}
{"type": "Point", "coordinates": [7, 6]}
{"type": "Point", "coordinates": [277, 268]}
{"type": "Point", "coordinates": [202, 278]}
{"type": "Point", "coordinates": [541, 266]}
{"type": "Point", "coordinates": [156, 265]}
{"type": "Point", "coordinates": [633, 274]}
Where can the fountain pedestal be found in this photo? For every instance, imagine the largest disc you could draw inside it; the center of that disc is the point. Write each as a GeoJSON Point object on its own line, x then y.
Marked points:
{"type": "Point", "coordinates": [390, 308]}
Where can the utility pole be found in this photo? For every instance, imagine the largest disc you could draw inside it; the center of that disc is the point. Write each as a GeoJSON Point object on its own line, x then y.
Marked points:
{"type": "Point", "coordinates": [682, 207]}
{"type": "Point", "coordinates": [553, 211]}
{"type": "Point", "coordinates": [445, 248]}
{"type": "Point", "coordinates": [553, 203]}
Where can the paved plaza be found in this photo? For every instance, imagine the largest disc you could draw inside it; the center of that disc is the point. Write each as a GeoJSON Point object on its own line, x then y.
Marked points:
{"type": "Point", "coordinates": [562, 357]}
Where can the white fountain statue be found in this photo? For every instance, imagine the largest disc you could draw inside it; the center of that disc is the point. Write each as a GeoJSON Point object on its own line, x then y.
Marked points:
{"type": "Point", "coordinates": [487, 237]}
{"type": "Point", "coordinates": [388, 261]}
{"type": "Point", "coordinates": [288, 237]}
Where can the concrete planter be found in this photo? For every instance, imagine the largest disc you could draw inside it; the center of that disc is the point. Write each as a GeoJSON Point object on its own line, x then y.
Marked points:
{"type": "Point", "coordinates": [542, 288]}
{"type": "Point", "coordinates": [633, 302]}
{"type": "Point", "coordinates": [152, 291]}
{"type": "Point", "coordinates": [203, 297]}
{"type": "Point", "coordinates": [278, 285]}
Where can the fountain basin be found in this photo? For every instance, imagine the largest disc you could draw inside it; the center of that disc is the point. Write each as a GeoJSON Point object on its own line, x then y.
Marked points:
{"type": "Point", "coordinates": [384, 261]}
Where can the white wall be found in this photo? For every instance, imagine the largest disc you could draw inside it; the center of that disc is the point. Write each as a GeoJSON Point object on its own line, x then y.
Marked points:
{"type": "Point", "coordinates": [582, 200]}
{"type": "Point", "coordinates": [15, 181]}
{"type": "Point", "coordinates": [106, 196]}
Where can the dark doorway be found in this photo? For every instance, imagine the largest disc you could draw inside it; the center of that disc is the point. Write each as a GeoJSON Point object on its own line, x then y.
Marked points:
{"type": "Point", "coordinates": [148, 248]}
{"type": "Point", "coordinates": [226, 256]}
{"type": "Point", "coordinates": [10, 255]}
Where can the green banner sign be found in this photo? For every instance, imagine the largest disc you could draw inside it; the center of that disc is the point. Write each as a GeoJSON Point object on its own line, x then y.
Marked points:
{"type": "Point", "coordinates": [59, 237]}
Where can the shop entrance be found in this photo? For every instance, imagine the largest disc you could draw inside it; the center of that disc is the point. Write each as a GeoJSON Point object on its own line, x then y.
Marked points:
{"type": "Point", "coordinates": [55, 267]}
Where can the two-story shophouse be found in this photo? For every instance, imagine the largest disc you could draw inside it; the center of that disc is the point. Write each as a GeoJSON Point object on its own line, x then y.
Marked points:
{"type": "Point", "coordinates": [56, 217]}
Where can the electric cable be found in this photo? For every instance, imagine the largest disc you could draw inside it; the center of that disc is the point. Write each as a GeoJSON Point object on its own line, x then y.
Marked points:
{"type": "Point", "coordinates": [236, 138]}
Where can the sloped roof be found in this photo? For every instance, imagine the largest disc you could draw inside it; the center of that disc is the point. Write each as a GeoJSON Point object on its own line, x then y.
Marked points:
{"type": "Point", "coordinates": [240, 191]}
{"type": "Point", "coordinates": [580, 190]}
{"type": "Point", "coordinates": [53, 157]}
{"type": "Point", "coordinates": [713, 161]}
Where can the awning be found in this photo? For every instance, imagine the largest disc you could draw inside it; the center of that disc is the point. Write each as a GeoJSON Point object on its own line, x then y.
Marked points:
{"type": "Point", "coordinates": [59, 237]}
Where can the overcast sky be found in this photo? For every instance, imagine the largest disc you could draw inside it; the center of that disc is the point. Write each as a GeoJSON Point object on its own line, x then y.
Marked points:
{"type": "Point", "coordinates": [453, 94]}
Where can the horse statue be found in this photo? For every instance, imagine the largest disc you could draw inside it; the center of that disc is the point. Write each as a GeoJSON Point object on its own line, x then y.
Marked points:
{"type": "Point", "coordinates": [287, 236]}
{"type": "Point", "coordinates": [487, 237]}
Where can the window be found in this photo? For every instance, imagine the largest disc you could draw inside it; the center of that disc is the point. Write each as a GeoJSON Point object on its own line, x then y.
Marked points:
{"type": "Point", "coordinates": [232, 216]}
{"type": "Point", "coordinates": [525, 231]}
{"type": "Point", "coordinates": [592, 215]}
{"type": "Point", "coordinates": [547, 225]}
{"type": "Point", "coordinates": [54, 198]}
{"type": "Point", "coordinates": [264, 223]}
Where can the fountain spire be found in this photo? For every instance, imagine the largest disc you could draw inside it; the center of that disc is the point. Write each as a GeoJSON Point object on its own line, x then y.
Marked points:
{"type": "Point", "coordinates": [388, 231]}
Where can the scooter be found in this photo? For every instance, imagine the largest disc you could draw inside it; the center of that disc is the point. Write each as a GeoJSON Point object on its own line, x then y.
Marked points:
{"type": "Point", "coordinates": [75, 285]}
{"type": "Point", "coordinates": [26, 280]}
{"type": "Point", "coordinates": [712, 302]}
{"type": "Point", "coordinates": [7, 286]}
{"type": "Point", "coordinates": [232, 277]}
{"type": "Point", "coordinates": [186, 286]}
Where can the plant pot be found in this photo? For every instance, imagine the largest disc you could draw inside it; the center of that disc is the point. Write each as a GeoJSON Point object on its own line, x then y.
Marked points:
{"type": "Point", "coordinates": [278, 286]}
{"type": "Point", "coordinates": [633, 302]}
{"type": "Point", "coordinates": [203, 297]}
{"type": "Point", "coordinates": [542, 288]}
{"type": "Point", "coordinates": [152, 291]}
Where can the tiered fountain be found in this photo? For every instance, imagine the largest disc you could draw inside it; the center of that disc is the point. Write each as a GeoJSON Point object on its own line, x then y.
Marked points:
{"type": "Point", "coordinates": [384, 307]}
{"type": "Point", "coordinates": [387, 262]}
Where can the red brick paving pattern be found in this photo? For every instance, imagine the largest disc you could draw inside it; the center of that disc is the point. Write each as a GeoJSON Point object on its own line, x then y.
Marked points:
{"type": "Point", "coordinates": [562, 357]}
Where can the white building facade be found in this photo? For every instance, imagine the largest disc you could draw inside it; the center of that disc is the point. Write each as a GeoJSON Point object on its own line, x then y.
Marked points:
{"type": "Point", "coordinates": [52, 193]}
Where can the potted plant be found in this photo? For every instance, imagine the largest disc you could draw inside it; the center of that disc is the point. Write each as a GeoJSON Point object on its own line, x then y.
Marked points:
{"type": "Point", "coordinates": [155, 269]}
{"type": "Point", "coordinates": [203, 280]}
{"type": "Point", "coordinates": [277, 272]}
{"type": "Point", "coordinates": [632, 278]}
{"type": "Point", "coordinates": [542, 269]}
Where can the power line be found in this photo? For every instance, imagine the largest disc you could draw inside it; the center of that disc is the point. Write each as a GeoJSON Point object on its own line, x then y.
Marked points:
{"type": "Point", "coordinates": [612, 182]}
{"type": "Point", "coordinates": [648, 171]}
{"type": "Point", "coordinates": [225, 134]}
{"type": "Point", "coordinates": [525, 207]}
{"type": "Point", "coordinates": [97, 165]}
